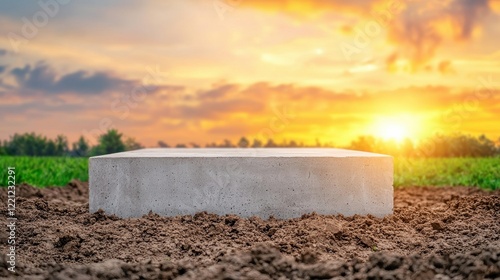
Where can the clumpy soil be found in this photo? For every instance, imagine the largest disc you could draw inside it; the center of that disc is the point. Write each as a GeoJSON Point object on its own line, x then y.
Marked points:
{"type": "Point", "coordinates": [435, 233]}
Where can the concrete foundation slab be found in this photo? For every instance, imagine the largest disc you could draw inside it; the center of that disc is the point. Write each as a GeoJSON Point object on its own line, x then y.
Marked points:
{"type": "Point", "coordinates": [282, 182]}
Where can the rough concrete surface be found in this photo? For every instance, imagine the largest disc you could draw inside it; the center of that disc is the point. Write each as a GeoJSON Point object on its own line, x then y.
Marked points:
{"type": "Point", "coordinates": [284, 183]}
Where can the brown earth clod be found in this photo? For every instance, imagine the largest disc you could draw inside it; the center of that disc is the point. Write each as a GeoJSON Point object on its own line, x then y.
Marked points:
{"type": "Point", "coordinates": [434, 232]}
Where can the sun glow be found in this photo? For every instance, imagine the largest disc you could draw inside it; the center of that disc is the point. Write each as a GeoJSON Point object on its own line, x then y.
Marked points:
{"type": "Point", "coordinates": [396, 128]}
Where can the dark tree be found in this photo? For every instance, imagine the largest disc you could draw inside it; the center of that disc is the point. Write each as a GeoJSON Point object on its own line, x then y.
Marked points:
{"type": "Point", "coordinates": [28, 144]}
{"type": "Point", "coordinates": [50, 148]}
{"type": "Point", "coordinates": [270, 144]}
{"type": "Point", "coordinates": [227, 144]}
{"type": "Point", "coordinates": [110, 142]}
{"type": "Point", "coordinates": [162, 144]}
{"type": "Point", "coordinates": [61, 143]}
{"type": "Point", "coordinates": [131, 144]}
{"type": "Point", "coordinates": [80, 147]}
{"type": "Point", "coordinates": [243, 143]}
{"type": "Point", "coordinates": [3, 152]}
{"type": "Point", "coordinates": [364, 143]}
{"type": "Point", "coordinates": [194, 145]}
{"type": "Point", "coordinates": [256, 143]}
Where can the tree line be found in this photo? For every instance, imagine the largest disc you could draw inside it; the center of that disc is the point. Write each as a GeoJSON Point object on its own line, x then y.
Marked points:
{"type": "Point", "coordinates": [31, 144]}
{"type": "Point", "coordinates": [455, 145]}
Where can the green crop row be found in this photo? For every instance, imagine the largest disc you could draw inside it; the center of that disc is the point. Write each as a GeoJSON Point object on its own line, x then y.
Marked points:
{"type": "Point", "coordinates": [479, 172]}
{"type": "Point", "coordinates": [44, 171]}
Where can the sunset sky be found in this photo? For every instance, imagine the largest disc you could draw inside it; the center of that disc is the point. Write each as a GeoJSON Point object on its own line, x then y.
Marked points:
{"type": "Point", "coordinates": [205, 70]}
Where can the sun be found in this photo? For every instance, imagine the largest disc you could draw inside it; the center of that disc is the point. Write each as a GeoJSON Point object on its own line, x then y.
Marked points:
{"type": "Point", "coordinates": [392, 130]}
{"type": "Point", "coordinates": [396, 128]}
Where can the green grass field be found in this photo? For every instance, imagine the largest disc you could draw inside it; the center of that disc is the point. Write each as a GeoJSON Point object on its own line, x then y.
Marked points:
{"type": "Point", "coordinates": [44, 171]}
{"type": "Point", "coordinates": [480, 172]}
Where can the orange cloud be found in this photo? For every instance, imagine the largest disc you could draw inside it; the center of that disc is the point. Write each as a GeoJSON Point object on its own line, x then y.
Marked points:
{"type": "Point", "coordinates": [495, 6]}
{"type": "Point", "coordinates": [391, 62]}
{"type": "Point", "coordinates": [312, 7]}
{"type": "Point", "coordinates": [282, 111]}
{"type": "Point", "coordinates": [346, 29]}
{"type": "Point", "coordinates": [445, 67]}
{"type": "Point", "coordinates": [417, 28]}
{"type": "Point", "coordinates": [421, 30]}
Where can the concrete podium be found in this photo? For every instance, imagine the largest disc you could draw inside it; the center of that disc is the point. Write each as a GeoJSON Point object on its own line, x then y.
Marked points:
{"type": "Point", "coordinates": [283, 182]}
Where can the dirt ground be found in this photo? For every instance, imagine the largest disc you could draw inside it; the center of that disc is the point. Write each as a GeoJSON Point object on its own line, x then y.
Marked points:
{"type": "Point", "coordinates": [435, 233]}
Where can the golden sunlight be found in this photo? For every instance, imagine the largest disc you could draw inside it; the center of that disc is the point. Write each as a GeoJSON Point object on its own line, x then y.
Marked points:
{"type": "Point", "coordinates": [396, 128]}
